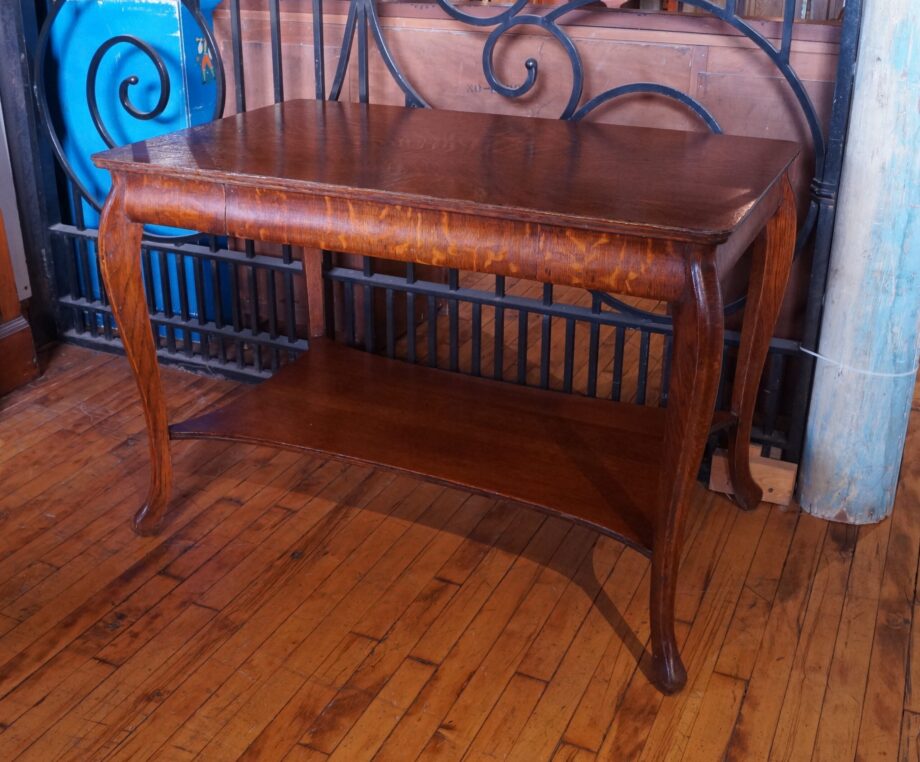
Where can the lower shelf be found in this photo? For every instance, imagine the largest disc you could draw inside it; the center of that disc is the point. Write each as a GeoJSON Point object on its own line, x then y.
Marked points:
{"type": "Point", "coordinates": [592, 460]}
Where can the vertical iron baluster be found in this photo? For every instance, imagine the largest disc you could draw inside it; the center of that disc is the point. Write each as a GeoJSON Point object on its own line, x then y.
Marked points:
{"type": "Point", "coordinates": [181, 280]}
{"type": "Point", "coordinates": [619, 346]}
{"type": "Point", "coordinates": [277, 72]}
{"type": "Point", "coordinates": [148, 280]}
{"type": "Point", "coordinates": [214, 272]}
{"type": "Point", "coordinates": [411, 335]}
{"type": "Point", "coordinates": [724, 381]}
{"type": "Point", "coordinates": [349, 310]}
{"type": "Point", "coordinates": [272, 306]}
{"type": "Point", "coordinates": [391, 324]}
{"type": "Point", "coordinates": [546, 334]}
{"type": "Point", "coordinates": [319, 52]}
{"type": "Point", "coordinates": [341, 69]}
{"type": "Point", "coordinates": [370, 328]}
{"type": "Point", "coordinates": [569, 355]}
{"type": "Point", "coordinates": [498, 370]}
{"type": "Point", "coordinates": [642, 376]}
{"type": "Point", "coordinates": [254, 306]}
{"type": "Point", "coordinates": [594, 341]}
{"type": "Point", "coordinates": [328, 295]}
{"type": "Point", "coordinates": [184, 311]}
{"type": "Point", "coordinates": [522, 347]}
{"type": "Point", "coordinates": [85, 280]}
{"type": "Point", "coordinates": [254, 317]}
{"type": "Point", "coordinates": [92, 261]}
{"type": "Point", "coordinates": [363, 93]}
{"type": "Point", "coordinates": [432, 331]}
{"type": "Point", "coordinates": [236, 311]}
{"type": "Point", "coordinates": [236, 43]}
{"type": "Point", "coordinates": [665, 370]}
{"type": "Point", "coordinates": [290, 318]}
{"type": "Point", "coordinates": [771, 391]}
{"type": "Point", "coordinates": [73, 278]}
{"type": "Point", "coordinates": [476, 353]}
{"type": "Point", "coordinates": [163, 261]}
{"type": "Point", "coordinates": [198, 278]}
{"type": "Point", "coordinates": [829, 177]}
{"type": "Point", "coordinates": [453, 310]}
{"type": "Point", "coordinates": [788, 19]}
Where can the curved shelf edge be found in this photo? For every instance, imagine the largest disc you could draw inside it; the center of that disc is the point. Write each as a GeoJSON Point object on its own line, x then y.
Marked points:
{"type": "Point", "coordinates": [593, 461]}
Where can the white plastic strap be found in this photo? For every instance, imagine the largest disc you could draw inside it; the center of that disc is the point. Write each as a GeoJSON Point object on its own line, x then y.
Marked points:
{"type": "Point", "coordinates": [861, 371]}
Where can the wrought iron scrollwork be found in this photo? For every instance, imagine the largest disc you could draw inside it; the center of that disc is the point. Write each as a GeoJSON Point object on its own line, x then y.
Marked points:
{"type": "Point", "coordinates": [124, 87]}
{"type": "Point", "coordinates": [650, 88]}
{"type": "Point", "coordinates": [547, 23]}
{"type": "Point", "coordinates": [233, 333]}
{"type": "Point", "coordinates": [123, 94]}
{"type": "Point", "coordinates": [574, 110]}
{"type": "Point", "coordinates": [362, 17]}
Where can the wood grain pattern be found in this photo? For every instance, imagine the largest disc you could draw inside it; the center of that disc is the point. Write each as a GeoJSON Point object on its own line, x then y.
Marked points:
{"type": "Point", "coordinates": [160, 648]}
{"type": "Point", "coordinates": [770, 265]}
{"type": "Point", "coordinates": [9, 299]}
{"type": "Point", "coordinates": [542, 448]}
{"type": "Point", "coordinates": [457, 190]}
{"type": "Point", "coordinates": [696, 364]}
{"type": "Point", "coordinates": [18, 362]}
{"type": "Point", "coordinates": [776, 478]}
{"type": "Point", "coordinates": [119, 261]}
{"type": "Point", "coordinates": [593, 176]}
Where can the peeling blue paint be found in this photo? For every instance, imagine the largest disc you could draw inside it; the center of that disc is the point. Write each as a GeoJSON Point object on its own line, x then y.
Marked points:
{"type": "Point", "coordinates": [858, 419]}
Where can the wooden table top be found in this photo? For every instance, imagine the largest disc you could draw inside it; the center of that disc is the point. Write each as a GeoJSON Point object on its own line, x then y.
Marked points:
{"type": "Point", "coordinates": [688, 185]}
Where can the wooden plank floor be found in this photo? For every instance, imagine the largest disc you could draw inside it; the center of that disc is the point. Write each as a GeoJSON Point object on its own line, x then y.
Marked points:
{"type": "Point", "coordinates": [297, 608]}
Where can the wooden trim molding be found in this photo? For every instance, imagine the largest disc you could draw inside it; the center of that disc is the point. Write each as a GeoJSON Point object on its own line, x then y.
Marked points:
{"type": "Point", "coordinates": [18, 362]}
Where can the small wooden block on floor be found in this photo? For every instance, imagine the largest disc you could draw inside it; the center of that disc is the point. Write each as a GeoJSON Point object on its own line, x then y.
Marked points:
{"type": "Point", "coordinates": [776, 477]}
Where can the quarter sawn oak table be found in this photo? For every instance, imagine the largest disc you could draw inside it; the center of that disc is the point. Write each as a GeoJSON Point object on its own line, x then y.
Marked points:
{"type": "Point", "coordinates": [650, 213]}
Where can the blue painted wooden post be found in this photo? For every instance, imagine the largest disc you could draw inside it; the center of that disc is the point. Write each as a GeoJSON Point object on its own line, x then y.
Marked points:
{"type": "Point", "coordinates": [869, 335]}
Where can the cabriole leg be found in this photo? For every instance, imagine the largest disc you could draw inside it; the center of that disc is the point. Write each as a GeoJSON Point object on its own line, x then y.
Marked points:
{"type": "Point", "coordinates": [119, 259]}
{"type": "Point", "coordinates": [770, 266]}
{"type": "Point", "coordinates": [697, 360]}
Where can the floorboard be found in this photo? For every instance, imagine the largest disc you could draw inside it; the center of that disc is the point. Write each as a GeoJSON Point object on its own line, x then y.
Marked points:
{"type": "Point", "coordinates": [300, 608]}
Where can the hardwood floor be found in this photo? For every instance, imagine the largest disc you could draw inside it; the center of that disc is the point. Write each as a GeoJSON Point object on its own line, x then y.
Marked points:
{"type": "Point", "coordinates": [298, 608]}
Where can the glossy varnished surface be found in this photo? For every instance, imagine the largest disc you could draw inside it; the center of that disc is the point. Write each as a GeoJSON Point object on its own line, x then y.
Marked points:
{"type": "Point", "coordinates": [296, 607]}
{"type": "Point", "coordinates": [18, 364]}
{"type": "Point", "coordinates": [595, 461]}
{"type": "Point", "coordinates": [636, 211]}
{"type": "Point", "coordinates": [687, 185]}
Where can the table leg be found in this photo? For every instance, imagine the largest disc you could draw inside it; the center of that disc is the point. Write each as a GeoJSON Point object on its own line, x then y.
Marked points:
{"type": "Point", "coordinates": [770, 266]}
{"type": "Point", "coordinates": [697, 361]}
{"type": "Point", "coordinates": [119, 259]}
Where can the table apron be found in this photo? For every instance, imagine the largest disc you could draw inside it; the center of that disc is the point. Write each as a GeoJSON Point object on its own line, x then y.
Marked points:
{"type": "Point", "coordinates": [654, 268]}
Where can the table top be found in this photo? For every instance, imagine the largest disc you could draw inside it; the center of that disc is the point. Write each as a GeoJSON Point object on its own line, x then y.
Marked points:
{"type": "Point", "coordinates": [693, 186]}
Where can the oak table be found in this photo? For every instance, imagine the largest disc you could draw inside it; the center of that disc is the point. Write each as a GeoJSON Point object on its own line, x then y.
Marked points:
{"type": "Point", "coordinates": [650, 213]}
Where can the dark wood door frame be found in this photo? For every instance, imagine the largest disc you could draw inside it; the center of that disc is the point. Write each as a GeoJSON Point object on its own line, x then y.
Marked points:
{"type": "Point", "coordinates": [18, 363]}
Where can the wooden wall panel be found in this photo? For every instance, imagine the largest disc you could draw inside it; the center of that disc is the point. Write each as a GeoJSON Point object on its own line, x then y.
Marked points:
{"type": "Point", "coordinates": [819, 10]}
{"type": "Point", "coordinates": [708, 60]}
{"type": "Point", "coordinates": [18, 363]}
{"type": "Point", "coordinates": [442, 58]}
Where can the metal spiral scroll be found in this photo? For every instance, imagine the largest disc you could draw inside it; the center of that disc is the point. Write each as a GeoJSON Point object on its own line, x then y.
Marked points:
{"type": "Point", "coordinates": [549, 22]}
{"type": "Point", "coordinates": [123, 94]}
{"type": "Point", "coordinates": [124, 89]}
